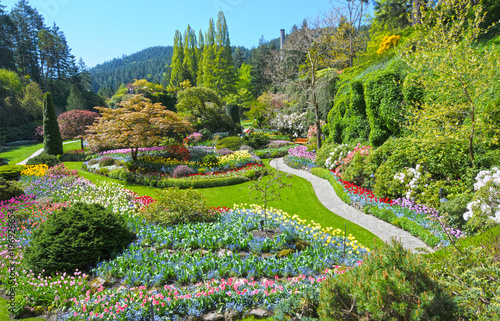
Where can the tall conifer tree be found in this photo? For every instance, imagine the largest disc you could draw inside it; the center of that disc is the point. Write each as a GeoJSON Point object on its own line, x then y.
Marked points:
{"type": "Point", "coordinates": [190, 63]}
{"type": "Point", "coordinates": [177, 72]}
{"type": "Point", "coordinates": [52, 141]}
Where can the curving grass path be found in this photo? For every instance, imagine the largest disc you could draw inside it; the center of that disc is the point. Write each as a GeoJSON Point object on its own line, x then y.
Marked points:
{"type": "Point", "coordinates": [17, 154]}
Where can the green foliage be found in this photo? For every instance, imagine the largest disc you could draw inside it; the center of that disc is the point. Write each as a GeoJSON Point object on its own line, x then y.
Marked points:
{"type": "Point", "coordinates": [454, 210]}
{"type": "Point", "coordinates": [405, 224]}
{"type": "Point", "coordinates": [43, 158]}
{"type": "Point", "coordinates": [233, 111]}
{"type": "Point", "coordinates": [231, 142]}
{"type": "Point", "coordinates": [9, 190]}
{"type": "Point", "coordinates": [52, 141]}
{"type": "Point", "coordinates": [182, 183]}
{"type": "Point", "coordinates": [11, 172]}
{"type": "Point", "coordinates": [77, 237]}
{"type": "Point", "coordinates": [299, 306]}
{"type": "Point", "coordinates": [174, 206]}
{"type": "Point", "coordinates": [106, 161]}
{"type": "Point", "coordinates": [392, 283]}
{"type": "Point", "coordinates": [354, 171]}
{"type": "Point", "coordinates": [256, 140]}
{"type": "Point", "coordinates": [210, 160]}
{"type": "Point", "coordinates": [470, 274]}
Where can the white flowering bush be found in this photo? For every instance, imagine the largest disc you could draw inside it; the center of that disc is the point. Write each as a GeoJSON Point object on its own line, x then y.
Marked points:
{"type": "Point", "coordinates": [336, 156]}
{"type": "Point", "coordinates": [291, 125]}
{"type": "Point", "coordinates": [484, 209]}
{"type": "Point", "coordinates": [410, 182]}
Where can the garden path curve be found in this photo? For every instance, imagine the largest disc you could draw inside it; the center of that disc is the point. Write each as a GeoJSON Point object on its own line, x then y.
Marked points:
{"type": "Point", "coordinates": [38, 152]}
{"type": "Point", "coordinates": [327, 196]}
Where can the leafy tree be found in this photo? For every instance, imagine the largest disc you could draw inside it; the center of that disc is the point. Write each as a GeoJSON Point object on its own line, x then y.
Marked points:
{"type": "Point", "coordinates": [177, 74]}
{"type": "Point", "coordinates": [74, 123]}
{"type": "Point", "coordinates": [136, 123]}
{"type": "Point", "coordinates": [197, 100]}
{"type": "Point", "coordinates": [52, 141]}
{"type": "Point", "coordinates": [455, 73]}
{"type": "Point", "coordinates": [207, 69]}
{"type": "Point", "coordinates": [32, 101]}
{"type": "Point", "coordinates": [258, 61]}
{"type": "Point", "coordinates": [190, 63]}
{"type": "Point", "coordinates": [392, 15]}
{"type": "Point", "coordinates": [225, 72]}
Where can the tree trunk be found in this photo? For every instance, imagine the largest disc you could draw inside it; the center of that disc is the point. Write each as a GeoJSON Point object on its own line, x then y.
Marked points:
{"type": "Point", "coordinates": [416, 14]}
{"type": "Point", "coordinates": [315, 103]}
{"type": "Point", "coordinates": [81, 142]}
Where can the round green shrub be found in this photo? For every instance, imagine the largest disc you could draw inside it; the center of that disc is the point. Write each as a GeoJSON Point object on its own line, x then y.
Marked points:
{"type": "Point", "coordinates": [231, 142]}
{"type": "Point", "coordinates": [77, 237]}
{"type": "Point", "coordinates": [106, 161]}
{"type": "Point", "coordinates": [256, 140]}
{"type": "Point", "coordinates": [11, 172]}
{"type": "Point", "coordinates": [43, 158]}
{"type": "Point", "coordinates": [174, 206]}
{"type": "Point", "coordinates": [9, 190]}
{"type": "Point", "coordinates": [391, 284]}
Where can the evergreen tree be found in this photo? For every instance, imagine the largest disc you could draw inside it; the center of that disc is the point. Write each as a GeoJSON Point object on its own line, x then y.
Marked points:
{"type": "Point", "coordinates": [75, 100]}
{"type": "Point", "coordinates": [28, 23]}
{"type": "Point", "coordinates": [7, 29]}
{"type": "Point", "coordinates": [177, 73]}
{"type": "Point", "coordinates": [190, 63]}
{"type": "Point", "coordinates": [258, 60]}
{"type": "Point", "coordinates": [52, 141]}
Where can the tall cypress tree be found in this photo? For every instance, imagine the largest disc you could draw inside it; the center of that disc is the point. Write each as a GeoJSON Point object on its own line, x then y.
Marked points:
{"type": "Point", "coordinates": [208, 57]}
{"type": "Point", "coordinates": [177, 70]}
{"type": "Point", "coordinates": [52, 141]}
{"type": "Point", "coordinates": [226, 74]}
{"type": "Point", "coordinates": [190, 63]}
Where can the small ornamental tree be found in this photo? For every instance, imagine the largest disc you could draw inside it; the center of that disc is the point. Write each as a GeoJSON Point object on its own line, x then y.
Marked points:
{"type": "Point", "coordinates": [73, 124]}
{"type": "Point", "coordinates": [52, 141]}
{"type": "Point", "coordinates": [135, 123]}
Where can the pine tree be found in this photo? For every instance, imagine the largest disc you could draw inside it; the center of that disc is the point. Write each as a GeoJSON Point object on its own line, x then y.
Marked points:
{"type": "Point", "coordinates": [209, 55]}
{"type": "Point", "coordinates": [7, 29]}
{"type": "Point", "coordinates": [226, 74]}
{"type": "Point", "coordinates": [199, 57]}
{"type": "Point", "coordinates": [177, 72]}
{"type": "Point", "coordinates": [52, 141]}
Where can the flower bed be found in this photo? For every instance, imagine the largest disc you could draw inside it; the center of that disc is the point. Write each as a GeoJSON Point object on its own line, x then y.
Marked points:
{"type": "Point", "coordinates": [181, 270]}
{"type": "Point", "coordinates": [301, 156]}
{"type": "Point", "coordinates": [421, 221]}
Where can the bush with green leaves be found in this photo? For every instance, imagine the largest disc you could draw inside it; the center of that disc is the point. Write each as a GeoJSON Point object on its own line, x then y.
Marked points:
{"type": "Point", "coordinates": [231, 142]}
{"type": "Point", "coordinates": [77, 237]}
{"type": "Point", "coordinates": [210, 160]}
{"type": "Point", "coordinates": [256, 140]}
{"type": "Point", "coordinates": [299, 306]}
{"type": "Point", "coordinates": [174, 206]}
{"type": "Point", "coordinates": [11, 172]}
{"type": "Point", "coordinates": [106, 161]}
{"type": "Point", "coordinates": [390, 284]}
{"type": "Point", "coordinates": [43, 158]}
{"type": "Point", "coordinates": [52, 141]}
{"type": "Point", "coordinates": [9, 190]}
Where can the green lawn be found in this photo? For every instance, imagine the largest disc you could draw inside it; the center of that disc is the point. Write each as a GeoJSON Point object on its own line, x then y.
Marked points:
{"type": "Point", "coordinates": [300, 200]}
{"type": "Point", "coordinates": [4, 313]}
{"type": "Point", "coordinates": [17, 154]}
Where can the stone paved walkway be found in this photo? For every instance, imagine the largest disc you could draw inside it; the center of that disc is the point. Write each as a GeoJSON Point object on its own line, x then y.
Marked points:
{"type": "Point", "coordinates": [326, 195]}
{"type": "Point", "coordinates": [38, 152]}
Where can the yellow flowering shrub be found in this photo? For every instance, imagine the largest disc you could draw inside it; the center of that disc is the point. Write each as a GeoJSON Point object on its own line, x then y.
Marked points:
{"type": "Point", "coordinates": [238, 156]}
{"type": "Point", "coordinates": [35, 170]}
{"type": "Point", "coordinates": [387, 43]}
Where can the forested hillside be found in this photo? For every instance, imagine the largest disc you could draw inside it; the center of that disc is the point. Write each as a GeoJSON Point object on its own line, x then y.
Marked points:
{"type": "Point", "coordinates": [146, 64]}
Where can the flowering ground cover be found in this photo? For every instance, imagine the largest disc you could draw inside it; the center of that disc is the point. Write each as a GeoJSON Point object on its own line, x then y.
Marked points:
{"type": "Point", "coordinates": [186, 269]}
{"type": "Point", "coordinates": [300, 155]}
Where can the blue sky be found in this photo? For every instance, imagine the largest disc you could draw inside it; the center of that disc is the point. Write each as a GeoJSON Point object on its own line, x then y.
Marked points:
{"type": "Point", "coordinates": [102, 30]}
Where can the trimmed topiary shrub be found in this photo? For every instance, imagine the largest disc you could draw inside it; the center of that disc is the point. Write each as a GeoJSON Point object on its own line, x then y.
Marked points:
{"type": "Point", "coordinates": [43, 158]}
{"type": "Point", "coordinates": [9, 190]}
{"type": "Point", "coordinates": [77, 237]}
{"type": "Point", "coordinates": [106, 161]}
{"type": "Point", "coordinates": [174, 206]}
{"type": "Point", "coordinates": [11, 172]}
{"type": "Point", "coordinates": [182, 171]}
{"type": "Point", "coordinates": [391, 284]}
{"type": "Point", "coordinates": [233, 111]}
{"type": "Point", "coordinates": [52, 141]}
{"type": "Point", "coordinates": [231, 142]}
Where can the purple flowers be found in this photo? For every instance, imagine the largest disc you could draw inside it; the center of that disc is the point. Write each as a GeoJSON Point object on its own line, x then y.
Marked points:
{"type": "Point", "coordinates": [301, 151]}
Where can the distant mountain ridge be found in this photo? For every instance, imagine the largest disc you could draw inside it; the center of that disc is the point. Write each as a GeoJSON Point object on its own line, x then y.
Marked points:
{"type": "Point", "coordinates": [145, 64]}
